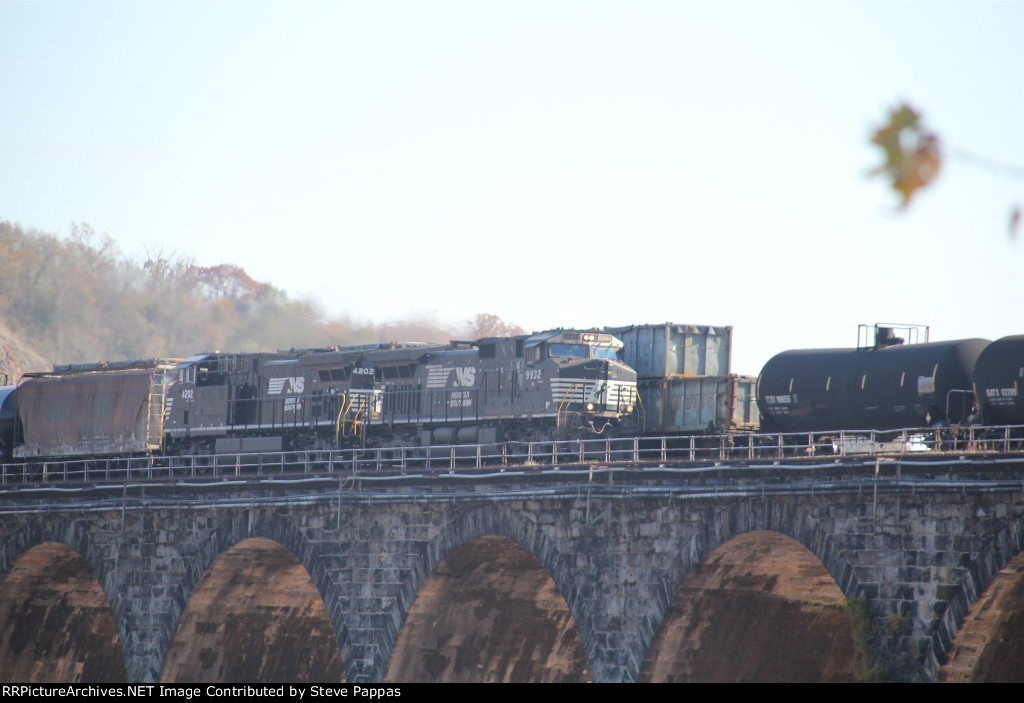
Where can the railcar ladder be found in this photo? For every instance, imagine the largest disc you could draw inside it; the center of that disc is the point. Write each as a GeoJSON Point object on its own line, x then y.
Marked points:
{"type": "Point", "coordinates": [155, 421]}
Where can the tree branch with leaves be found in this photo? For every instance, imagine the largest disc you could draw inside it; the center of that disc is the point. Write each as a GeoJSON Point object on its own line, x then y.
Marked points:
{"type": "Point", "coordinates": [913, 156]}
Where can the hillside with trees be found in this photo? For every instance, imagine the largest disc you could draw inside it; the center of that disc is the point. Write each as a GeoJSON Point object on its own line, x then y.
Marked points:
{"type": "Point", "coordinates": [79, 299]}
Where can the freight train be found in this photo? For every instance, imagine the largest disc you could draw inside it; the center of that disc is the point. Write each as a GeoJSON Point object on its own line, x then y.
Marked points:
{"type": "Point", "coordinates": [553, 385]}
{"type": "Point", "coordinates": [624, 381]}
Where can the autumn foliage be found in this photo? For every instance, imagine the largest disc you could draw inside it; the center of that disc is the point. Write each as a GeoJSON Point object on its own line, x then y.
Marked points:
{"type": "Point", "coordinates": [78, 299]}
{"type": "Point", "coordinates": [912, 154]}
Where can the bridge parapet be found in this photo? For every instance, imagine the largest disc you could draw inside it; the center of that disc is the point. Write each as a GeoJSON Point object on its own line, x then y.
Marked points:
{"type": "Point", "coordinates": [617, 543]}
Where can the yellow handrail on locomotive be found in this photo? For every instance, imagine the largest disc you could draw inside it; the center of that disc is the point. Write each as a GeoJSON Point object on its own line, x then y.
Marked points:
{"type": "Point", "coordinates": [339, 425]}
{"type": "Point", "coordinates": [355, 418]}
{"type": "Point", "coordinates": [558, 415]}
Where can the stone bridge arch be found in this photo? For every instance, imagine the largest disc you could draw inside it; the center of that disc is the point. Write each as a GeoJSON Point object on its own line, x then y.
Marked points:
{"type": "Point", "coordinates": [485, 521]}
{"type": "Point", "coordinates": [995, 555]}
{"type": "Point", "coordinates": [234, 529]}
{"type": "Point", "coordinates": [708, 527]}
{"type": "Point", "coordinates": [85, 624]}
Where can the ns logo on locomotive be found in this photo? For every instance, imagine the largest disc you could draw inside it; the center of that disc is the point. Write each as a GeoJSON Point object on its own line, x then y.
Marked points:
{"type": "Point", "coordinates": [559, 384]}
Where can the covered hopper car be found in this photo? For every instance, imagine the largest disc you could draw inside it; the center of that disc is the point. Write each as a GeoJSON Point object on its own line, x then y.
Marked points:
{"type": "Point", "coordinates": [93, 409]}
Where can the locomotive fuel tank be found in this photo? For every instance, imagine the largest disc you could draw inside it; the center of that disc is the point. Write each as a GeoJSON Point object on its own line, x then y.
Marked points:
{"type": "Point", "coordinates": [999, 382]}
{"type": "Point", "coordinates": [880, 387]}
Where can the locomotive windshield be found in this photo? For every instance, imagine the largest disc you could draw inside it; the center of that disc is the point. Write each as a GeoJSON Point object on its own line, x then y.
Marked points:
{"type": "Point", "coordinates": [583, 351]}
{"type": "Point", "coordinates": [571, 350]}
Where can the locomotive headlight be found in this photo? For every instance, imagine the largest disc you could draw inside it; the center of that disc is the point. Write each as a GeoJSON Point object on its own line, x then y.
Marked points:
{"type": "Point", "coordinates": [590, 406]}
{"type": "Point", "coordinates": [629, 408]}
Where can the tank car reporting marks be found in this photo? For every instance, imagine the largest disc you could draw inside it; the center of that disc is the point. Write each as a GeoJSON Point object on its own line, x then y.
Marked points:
{"type": "Point", "coordinates": [1001, 396]}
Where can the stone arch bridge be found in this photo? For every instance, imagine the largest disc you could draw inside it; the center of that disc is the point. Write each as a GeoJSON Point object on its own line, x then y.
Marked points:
{"type": "Point", "coordinates": [621, 554]}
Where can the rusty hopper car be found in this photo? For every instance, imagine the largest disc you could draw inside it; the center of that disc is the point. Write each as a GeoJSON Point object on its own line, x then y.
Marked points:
{"type": "Point", "coordinates": [94, 409]}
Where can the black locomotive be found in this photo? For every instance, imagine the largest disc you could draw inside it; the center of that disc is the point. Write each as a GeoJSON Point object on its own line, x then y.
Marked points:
{"type": "Point", "coordinates": [553, 385]}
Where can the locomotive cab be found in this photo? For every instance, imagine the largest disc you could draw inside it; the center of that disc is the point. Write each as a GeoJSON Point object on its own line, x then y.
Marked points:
{"type": "Point", "coordinates": [591, 388]}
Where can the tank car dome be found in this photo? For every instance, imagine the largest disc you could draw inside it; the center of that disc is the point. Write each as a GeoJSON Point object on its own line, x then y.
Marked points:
{"type": "Point", "coordinates": [819, 390]}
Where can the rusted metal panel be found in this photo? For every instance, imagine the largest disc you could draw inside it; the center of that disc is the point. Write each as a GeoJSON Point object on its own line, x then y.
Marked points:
{"type": "Point", "coordinates": [669, 349]}
{"type": "Point", "coordinates": [692, 405]}
{"type": "Point", "coordinates": [85, 413]}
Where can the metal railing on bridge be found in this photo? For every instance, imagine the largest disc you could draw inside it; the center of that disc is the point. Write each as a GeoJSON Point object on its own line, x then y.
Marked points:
{"type": "Point", "coordinates": [696, 450]}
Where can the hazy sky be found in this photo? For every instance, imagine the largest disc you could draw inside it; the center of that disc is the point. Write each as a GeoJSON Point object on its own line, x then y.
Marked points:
{"type": "Point", "coordinates": [555, 163]}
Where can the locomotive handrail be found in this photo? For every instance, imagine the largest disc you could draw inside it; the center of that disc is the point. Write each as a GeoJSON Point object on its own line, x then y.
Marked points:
{"type": "Point", "coordinates": [727, 450]}
{"type": "Point", "coordinates": [565, 399]}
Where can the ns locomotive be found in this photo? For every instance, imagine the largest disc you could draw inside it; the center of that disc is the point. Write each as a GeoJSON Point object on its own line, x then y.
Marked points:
{"type": "Point", "coordinates": [553, 385]}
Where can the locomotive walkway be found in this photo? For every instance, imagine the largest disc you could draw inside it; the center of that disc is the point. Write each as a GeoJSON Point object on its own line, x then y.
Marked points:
{"type": "Point", "coordinates": [618, 525]}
